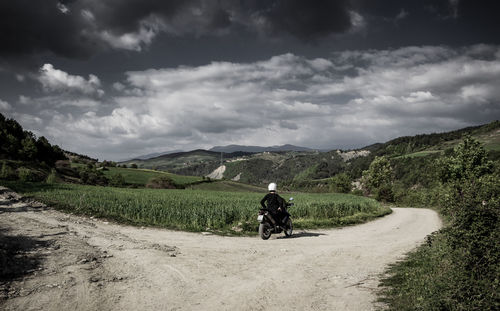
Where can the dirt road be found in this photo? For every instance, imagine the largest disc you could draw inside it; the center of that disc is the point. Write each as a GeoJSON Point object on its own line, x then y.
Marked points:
{"type": "Point", "coordinates": [54, 261]}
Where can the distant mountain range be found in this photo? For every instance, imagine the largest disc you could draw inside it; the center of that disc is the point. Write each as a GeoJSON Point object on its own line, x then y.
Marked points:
{"type": "Point", "coordinates": [228, 149]}
{"type": "Point", "coordinates": [235, 148]}
{"type": "Point", "coordinates": [151, 155]}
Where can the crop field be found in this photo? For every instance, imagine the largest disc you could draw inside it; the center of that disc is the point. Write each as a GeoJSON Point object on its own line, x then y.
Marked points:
{"type": "Point", "coordinates": [418, 154]}
{"type": "Point", "coordinates": [142, 176]}
{"type": "Point", "coordinates": [198, 210]}
{"type": "Point", "coordinates": [227, 185]}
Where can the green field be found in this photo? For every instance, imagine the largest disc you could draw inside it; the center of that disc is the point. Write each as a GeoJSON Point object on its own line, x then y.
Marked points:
{"type": "Point", "coordinates": [227, 185]}
{"type": "Point", "coordinates": [198, 210]}
{"type": "Point", "coordinates": [418, 154]}
{"type": "Point", "coordinates": [141, 177]}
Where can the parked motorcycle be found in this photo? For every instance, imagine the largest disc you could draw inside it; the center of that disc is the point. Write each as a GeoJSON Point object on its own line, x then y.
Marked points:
{"type": "Point", "coordinates": [269, 225]}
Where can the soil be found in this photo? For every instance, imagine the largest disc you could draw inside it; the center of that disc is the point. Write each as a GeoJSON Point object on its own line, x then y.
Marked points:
{"type": "Point", "coordinates": [56, 261]}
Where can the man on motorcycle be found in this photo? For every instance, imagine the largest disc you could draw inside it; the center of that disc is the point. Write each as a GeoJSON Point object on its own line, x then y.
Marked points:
{"type": "Point", "coordinates": [276, 205]}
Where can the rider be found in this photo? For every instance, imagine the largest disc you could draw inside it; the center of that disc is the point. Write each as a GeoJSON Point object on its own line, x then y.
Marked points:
{"type": "Point", "coordinates": [276, 205]}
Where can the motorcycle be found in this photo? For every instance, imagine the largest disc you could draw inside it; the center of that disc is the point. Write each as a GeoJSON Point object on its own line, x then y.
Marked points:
{"type": "Point", "coordinates": [268, 225]}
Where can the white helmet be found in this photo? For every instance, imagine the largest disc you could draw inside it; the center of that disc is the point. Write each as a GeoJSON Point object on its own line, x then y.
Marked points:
{"type": "Point", "coordinates": [272, 187]}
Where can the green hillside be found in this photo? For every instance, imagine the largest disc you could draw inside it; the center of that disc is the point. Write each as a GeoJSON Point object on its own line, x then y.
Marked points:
{"type": "Point", "coordinates": [140, 177]}
{"type": "Point", "coordinates": [311, 170]}
{"type": "Point", "coordinates": [181, 160]}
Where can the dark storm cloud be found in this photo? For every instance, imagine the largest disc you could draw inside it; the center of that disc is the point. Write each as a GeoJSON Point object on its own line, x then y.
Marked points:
{"type": "Point", "coordinates": [80, 28]}
{"type": "Point", "coordinates": [451, 22]}
{"type": "Point", "coordinates": [125, 15]}
{"type": "Point", "coordinates": [30, 27]}
{"type": "Point", "coordinates": [307, 20]}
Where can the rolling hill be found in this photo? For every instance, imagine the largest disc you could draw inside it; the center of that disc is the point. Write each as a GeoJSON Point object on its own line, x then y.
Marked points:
{"type": "Point", "coordinates": [257, 149]}
{"type": "Point", "coordinates": [287, 166]}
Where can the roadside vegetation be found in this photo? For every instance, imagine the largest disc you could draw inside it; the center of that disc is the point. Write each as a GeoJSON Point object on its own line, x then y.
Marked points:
{"type": "Point", "coordinates": [458, 268]}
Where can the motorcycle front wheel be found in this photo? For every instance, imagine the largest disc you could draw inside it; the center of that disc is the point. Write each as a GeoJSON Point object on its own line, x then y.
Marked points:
{"type": "Point", "coordinates": [288, 227]}
{"type": "Point", "coordinates": [265, 231]}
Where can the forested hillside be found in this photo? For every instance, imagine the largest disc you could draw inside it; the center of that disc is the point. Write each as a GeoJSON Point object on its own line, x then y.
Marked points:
{"type": "Point", "coordinates": [18, 144]}
{"type": "Point", "coordinates": [23, 155]}
{"type": "Point", "coordinates": [323, 171]}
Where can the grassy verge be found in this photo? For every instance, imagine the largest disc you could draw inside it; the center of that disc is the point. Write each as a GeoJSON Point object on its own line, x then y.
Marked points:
{"type": "Point", "coordinates": [436, 277]}
{"type": "Point", "coordinates": [421, 280]}
{"type": "Point", "coordinates": [197, 210]}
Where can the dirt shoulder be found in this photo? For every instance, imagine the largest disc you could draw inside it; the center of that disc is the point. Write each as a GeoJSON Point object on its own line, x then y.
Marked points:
{"type": "Point", "coordinates": [55, 261]}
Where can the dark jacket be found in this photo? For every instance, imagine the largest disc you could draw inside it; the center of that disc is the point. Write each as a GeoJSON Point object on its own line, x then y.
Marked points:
{"type": "Point", "coordinates": [274, 201]}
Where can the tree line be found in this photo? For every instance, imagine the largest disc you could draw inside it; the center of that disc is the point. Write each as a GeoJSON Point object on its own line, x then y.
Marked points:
{"type": "Point", "coordinates": [18, 144]}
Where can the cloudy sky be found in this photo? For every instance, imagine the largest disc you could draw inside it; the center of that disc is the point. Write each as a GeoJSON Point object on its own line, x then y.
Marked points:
{"type": "Point", "coordinates": [119, 78]}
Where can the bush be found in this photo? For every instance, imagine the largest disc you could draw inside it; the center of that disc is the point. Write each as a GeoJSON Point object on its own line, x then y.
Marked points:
{"type": "Point", "coordinates": [340, 183]}
{"type": "Point", "coordinates": [161, 182]}
{"type": "Point", "coordinates": [92, 177]}
{"type": "Point", "coordinates": [378, 179]}
{"type": "Point", "coordinates": [6, 172]}
{"type": "Point", "coordinates": [25, 174]}
{"type": "Point", "coordinates": [458, 270]}
{"type": "Point", "coordinates": [117, 180]}
{"type": "Point", "coordinates": [384, 193]}
{"type": "Point", "coordinates": [52, 178]}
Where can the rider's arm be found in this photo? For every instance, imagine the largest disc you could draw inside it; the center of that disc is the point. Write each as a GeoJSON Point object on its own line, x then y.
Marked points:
{"type": "Point", "coordinates": [282, 203]}
{"type": "Point", "coordinates": [262, 202]}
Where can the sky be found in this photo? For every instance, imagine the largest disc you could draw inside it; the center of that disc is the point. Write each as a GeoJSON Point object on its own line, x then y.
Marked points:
{"type": "Point", "coordinates": [117, 79]}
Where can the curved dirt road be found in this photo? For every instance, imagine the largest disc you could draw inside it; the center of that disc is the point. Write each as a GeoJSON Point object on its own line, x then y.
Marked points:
{"type": "Point", "coordinates": [66, 262]}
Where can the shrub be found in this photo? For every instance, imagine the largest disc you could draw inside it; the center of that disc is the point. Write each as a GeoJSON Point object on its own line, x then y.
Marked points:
{"type": "Point", "coordinates": [161, 182]}
{"type": "Point", "coordinates": [52, 178]}
{"type": "Point", "coordinates": [117, 180]}
{"type": "Point", "coordinates": [384, 193]}
{"type": "Point", "coordinates": [340, 183]}
{"type": "Point", "coordinates": [6, 172]}
{"type": "Point", "coordinates": [378, 179]}
{"type": "Point", "coordinates": [26, 174]}
{"type": "Point", "coordinates": [92, 177]}
{"type": "Point", "coordinates": [458, 268]}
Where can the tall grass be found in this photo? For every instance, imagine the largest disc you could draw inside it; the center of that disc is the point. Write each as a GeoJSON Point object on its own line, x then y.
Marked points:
{"type": "Point", "coordinates": [197, 210]}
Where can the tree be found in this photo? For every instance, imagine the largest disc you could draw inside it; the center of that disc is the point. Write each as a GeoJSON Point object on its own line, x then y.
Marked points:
{"type": "Point", "coordinates": [29, 150]}
{"type": "Point", "coordinates": [378, 179]}
{"type": "Point", "coordinates": [472, 200]}
{"type": "Point", "coordinates": [161, 182]}
{"type": "Point", "coordinates": [6, 172]}
{"type": "Point", "coordinates": [117, 180]}
{"type": "Point", "coordinates": [340, 183]}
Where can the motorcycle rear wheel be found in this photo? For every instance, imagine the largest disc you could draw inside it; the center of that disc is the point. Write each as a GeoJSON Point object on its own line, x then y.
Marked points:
{"type": "Point", "coordinates": [265, 231]}
{"type": "Point", "coordinates": [288, 227]}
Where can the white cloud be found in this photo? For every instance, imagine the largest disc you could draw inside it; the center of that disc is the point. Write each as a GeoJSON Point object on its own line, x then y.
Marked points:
{"type": "Point", "coordinates": [20, 77]}
{"type": "Point", "coordinates": [5, 106]}
{"type": "Point", "coordinates": [401, 15]}
{"type": "Point", "coordinates": [352, 99]}
{"type": "Point", "coordinates": [88, 15]}
{"type": "Point", "coordinates": [62, 8]}
{"type": "Point", "coordinates": [358, 22]}
{"type": "Point", "coordinates": [57, 80]}
{"type": "Point", "coordinates": [132, 41]}
{"type": "Point", "coordinates": [24, 100]}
